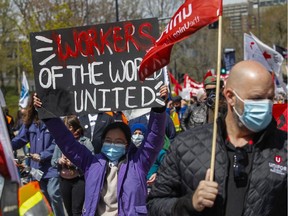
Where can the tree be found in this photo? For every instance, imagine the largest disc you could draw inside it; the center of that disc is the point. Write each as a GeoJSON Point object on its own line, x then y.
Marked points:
{"type": "Point", "coordinates": [40, 15]}
{"type": "Point", "coordinates": [274, 27]}
{"type": "Point", "coordinates": [194, 55]}
{"type": "Point", "coordinates": [7, 40]}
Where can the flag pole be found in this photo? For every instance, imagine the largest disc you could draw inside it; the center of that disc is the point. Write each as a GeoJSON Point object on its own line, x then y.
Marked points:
{"type": "Point", "coordinates": [213, 150]}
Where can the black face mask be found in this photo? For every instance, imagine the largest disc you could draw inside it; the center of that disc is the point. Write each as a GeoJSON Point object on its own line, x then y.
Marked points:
{"type": "Point", "coordinates": [177, 109]}
{"type": "Point", "coordinates": [211, 95]}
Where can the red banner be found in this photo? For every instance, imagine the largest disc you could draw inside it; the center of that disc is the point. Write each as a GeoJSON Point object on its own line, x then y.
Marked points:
{"type": "Point", "coordinates": [189, 18]}
{"type": "Point", "coordinates": [190, 83]}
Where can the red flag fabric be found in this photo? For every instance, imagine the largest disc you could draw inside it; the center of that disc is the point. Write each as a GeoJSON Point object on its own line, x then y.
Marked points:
{"type": "Point", "coordinates": [189, 18]}
{"type": "Point", "coordinates": [189, 82]}
{"type": "Point", "coordinates": [192, 86]}
{"type": "Point", "coordinates": [175, 84]}
{"type": "Point", "coordinates": [3, 166]}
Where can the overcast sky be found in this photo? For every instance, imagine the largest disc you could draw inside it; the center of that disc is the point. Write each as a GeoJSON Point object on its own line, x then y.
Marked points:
{"type": "Point", "coordinates": [233, 1]}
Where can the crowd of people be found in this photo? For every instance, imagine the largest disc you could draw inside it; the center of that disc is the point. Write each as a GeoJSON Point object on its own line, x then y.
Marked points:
{"type": "Point", "coordinates": [159, 163]}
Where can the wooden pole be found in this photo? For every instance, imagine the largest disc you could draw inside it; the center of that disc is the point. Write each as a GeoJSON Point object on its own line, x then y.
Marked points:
{"type": "Point", "coordinates": [213, 151]}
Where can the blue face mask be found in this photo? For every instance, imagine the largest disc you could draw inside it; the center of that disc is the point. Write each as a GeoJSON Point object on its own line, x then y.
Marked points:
{"type": "Point", "coordinates": [257, 114]}
{"type": "Point", "coordinates": [137, 139]}
{"type": "Point", "coordinates": [113, 151]}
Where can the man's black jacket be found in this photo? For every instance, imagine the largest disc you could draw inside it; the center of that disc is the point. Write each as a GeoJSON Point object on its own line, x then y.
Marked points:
{"type": "Point", "coordinates": [189, 158]}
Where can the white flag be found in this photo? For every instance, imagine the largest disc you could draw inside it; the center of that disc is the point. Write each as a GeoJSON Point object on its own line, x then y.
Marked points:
{"type": "Point", "coordinates": [2, 100]}
{"type": "Point", "coordinates": [256, 50]}
{"type": "Point", "coordinates": [24, 95]}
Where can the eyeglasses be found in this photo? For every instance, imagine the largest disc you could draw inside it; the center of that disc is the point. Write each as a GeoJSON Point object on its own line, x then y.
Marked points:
{"type": "Point", "coordinates": [116, 142]}
{"type": "Point", "coordinates": [240, 161]}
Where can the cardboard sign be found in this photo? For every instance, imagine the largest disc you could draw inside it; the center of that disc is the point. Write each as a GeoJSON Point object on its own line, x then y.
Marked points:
{"type": "Point", "coordinates": [94, 69]}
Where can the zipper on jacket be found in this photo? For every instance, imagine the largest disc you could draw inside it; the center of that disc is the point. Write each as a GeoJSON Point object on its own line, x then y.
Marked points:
{"type": "Point", "coordinates": [249, 179]}
{"type": "Point", "coordinates": [225, 179]}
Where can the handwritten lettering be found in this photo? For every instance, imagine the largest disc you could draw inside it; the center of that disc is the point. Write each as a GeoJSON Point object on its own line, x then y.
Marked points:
{"type": "Point", "coordinates": [85, 42]}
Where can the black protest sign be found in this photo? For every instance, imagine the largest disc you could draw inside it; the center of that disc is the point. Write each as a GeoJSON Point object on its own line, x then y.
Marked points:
{"type": "Point", "coordinates": [94, 69]}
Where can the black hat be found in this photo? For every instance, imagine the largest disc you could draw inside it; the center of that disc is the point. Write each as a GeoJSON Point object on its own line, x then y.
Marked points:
{"type": "Point", "coordinates": [122, 126]}
{"type": "Point", "coordinates": [176, 99]}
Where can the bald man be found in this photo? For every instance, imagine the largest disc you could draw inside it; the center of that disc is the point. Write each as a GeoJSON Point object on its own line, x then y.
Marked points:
{"type": "Point", "coordinates": [251, 157]}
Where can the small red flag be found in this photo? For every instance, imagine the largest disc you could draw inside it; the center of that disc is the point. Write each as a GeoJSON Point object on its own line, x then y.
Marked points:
{"type": "Point", "coordinates": [174, 83]}
{"type": "Point", "coordinates": [191, 83]}
{"type": "Point", "coordinates": [189, 18]}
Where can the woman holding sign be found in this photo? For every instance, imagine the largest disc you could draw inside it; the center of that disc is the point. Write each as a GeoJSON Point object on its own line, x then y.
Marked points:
{"type": "Point", "coordinates": [115, 178]}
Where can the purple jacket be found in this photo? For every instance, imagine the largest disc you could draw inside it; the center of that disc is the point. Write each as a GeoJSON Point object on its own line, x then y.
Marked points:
{"type": "Point", "coordinates": [131, 188]}
{"type": "Point", "coordinates": [41, 142]}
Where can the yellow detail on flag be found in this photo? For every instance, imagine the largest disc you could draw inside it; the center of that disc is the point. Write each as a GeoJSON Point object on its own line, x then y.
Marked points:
{"type": "Point", "coordinates": [29, 203]}
{"type": "Point", "coordinates": [32, 201]}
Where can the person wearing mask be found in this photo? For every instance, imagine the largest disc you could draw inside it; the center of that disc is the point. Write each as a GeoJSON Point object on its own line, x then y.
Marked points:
{"type": "Point", "coordinates": [196, 114]}
{"type": "Point", "coordinates": [250, 175]}
{"type": "Point", "coordinates": [170, 131]}
{"type": "Point", "coordinates": [42, 146]}
{"type": "Point", "coordinates": [115, 179]}
{"type": "Point", "coordinates": [202, 111]}
{"type": "Point", "coordinates": [138, 131]}
{"type": "Point", "coordinates": [210, 90]}
{"type": "Point", "coordinates": [176, 108]}
{"type": "Point", "coordinates": [72, 183]}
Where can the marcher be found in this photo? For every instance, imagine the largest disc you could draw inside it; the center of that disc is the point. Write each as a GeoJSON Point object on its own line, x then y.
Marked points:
{"type": "Point", "coordinates": [17, 125]}
{"type": "Point", "coordinates": [72, 183]}
{"type": "Point", "coordinates": [251, 157]}
{"type": "Point", "coordinates": [9, 122]}
{"type": "Point", "coordinates": [144, 119]}
{"type": "Point", "coordinates": [138, 131]}
{"type": "Point", "coordinates": [118, 116]}
{"type": "Point", "coordinates": [202, 111]}
{"type": "Point", "coordinates": [176, 108]}
{"type": "Point", "coordinates": [42, 147]}
{"type": "Point", "coordinates": [115, 179]}
{"type": "Point", "coordinates": [18, 121]}
{"type": "Point", "coordinates": [94, 125]}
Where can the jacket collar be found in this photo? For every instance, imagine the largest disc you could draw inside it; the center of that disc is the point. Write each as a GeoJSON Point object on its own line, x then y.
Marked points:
{"type": "Point", "coordinates": [258, 138]}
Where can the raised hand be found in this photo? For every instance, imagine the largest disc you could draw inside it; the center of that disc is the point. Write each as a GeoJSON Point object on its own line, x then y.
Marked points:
{"type": "Point", "coordinates": [36, 101]}
{"type": "Point", "coordinates": [164, 92]}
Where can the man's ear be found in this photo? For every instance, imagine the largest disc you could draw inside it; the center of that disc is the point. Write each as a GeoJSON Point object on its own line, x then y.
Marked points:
{"type": "Point", "coordinates": [230, 96]}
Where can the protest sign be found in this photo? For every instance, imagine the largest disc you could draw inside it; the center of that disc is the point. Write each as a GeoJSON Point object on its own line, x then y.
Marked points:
{"type": "Point", "coordinates": [94, 69]}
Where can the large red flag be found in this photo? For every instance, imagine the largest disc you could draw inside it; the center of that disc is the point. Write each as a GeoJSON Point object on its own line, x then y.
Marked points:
{"type": "Point", "coordinates": [189, 18]}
